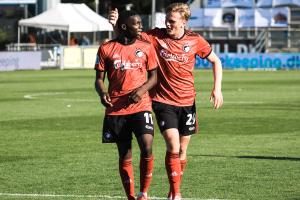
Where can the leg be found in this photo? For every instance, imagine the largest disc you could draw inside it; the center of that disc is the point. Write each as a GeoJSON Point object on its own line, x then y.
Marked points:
{"type": "Point", "coordinates": [172, 141]}
{"type": "Point", "coordinates": [167, 119]}
{"type": "Point", "coordinates": [125, 168]}
{"type": "Point", "coordinates": [184, 142]}
{"type": "Point", "coordinates": [142, 126]}
{"type": "Point", "coordinates": [188, 126]}
{"type": "Point", "coordinates": [146, 164]}
{"type": "Point", "coordinates": [172, 160]}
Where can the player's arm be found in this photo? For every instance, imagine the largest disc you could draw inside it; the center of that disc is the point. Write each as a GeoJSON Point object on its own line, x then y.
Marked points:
{"type": "Point", "coordinates": [137, 94]}
{"type": "Point", "coordinates": [216, 96]}
{"type": "Point", "coordinates": [100, 88]}
{"type": "Point", "coordinates": [113, 16]}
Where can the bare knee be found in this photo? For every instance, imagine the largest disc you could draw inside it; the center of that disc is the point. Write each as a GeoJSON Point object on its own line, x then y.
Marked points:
{"type": "Point", "coordinates": [145, 144]}
{"type": "Point", "coordinates": [184, 142]}
{"type": "Point", "coordinates": [172, 140]}
{"type": "Point", "coordinates": [182, 153]}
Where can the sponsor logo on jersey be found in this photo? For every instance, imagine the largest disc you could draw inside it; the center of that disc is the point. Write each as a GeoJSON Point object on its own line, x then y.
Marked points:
{"type": "Point", "coordinates": [124, 65]}
{"type": "Point", "coordinates": [139, 53]}
{"type": "Point", "coordinates": [162, 123]}
{"type": "Point", "coordinates": [186, 48]}
{"type": "Point", "coordinates": [168, 56]}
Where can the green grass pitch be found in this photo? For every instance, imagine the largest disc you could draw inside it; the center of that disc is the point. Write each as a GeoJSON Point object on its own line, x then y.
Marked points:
{"type": "Point", "coordinates": [50, 125]}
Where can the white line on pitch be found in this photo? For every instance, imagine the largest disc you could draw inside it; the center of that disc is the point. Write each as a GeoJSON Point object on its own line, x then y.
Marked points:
{"type": "Point", "coordinates": [35, 95]}
{"type": "Point", "coordinates": [84, 196]}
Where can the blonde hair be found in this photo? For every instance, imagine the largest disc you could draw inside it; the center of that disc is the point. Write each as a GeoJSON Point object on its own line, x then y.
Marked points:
{"type": "Point", "coordinates": [181, 8]}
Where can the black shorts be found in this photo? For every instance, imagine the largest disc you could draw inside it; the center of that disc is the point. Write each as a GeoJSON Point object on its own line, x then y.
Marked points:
{"type": "Point", "coordinates": [182, 118]}
{"type": "Point", "coordinates": [119, 128]}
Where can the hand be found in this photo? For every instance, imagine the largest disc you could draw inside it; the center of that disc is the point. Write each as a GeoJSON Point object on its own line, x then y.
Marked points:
{"type": "Point", "coordinates": [105, 99]}
{"type": "Point", "coordinates": [137, 94]}
{"type": "Point", "coordinates": [216, 98]}
{"type": "Point", "coordinates": [113, 16]}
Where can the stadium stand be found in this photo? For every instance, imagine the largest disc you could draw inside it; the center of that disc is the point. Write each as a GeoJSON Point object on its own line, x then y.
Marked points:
{"type": "Point", "coordinates": [258, 39]}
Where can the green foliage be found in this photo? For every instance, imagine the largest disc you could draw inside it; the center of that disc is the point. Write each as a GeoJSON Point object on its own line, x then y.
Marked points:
{"type": "Point", "coordinates": [50, 140]}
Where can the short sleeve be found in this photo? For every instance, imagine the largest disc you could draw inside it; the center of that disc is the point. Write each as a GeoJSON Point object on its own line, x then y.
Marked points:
{"type": "Point", "coordinates": [204, 48]}
{"type": "Point", "coordinates": [100, 59]}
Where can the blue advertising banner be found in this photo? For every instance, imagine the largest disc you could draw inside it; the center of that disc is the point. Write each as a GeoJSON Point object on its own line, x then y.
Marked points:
{"type": "Point", "coordinates": [254, 61]}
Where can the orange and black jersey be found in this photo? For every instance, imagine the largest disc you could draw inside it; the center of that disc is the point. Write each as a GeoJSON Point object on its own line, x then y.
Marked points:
{"type": "Point", "coordinates": [176, 59]}
{"type": "Point", "coordinates": [126, 67]}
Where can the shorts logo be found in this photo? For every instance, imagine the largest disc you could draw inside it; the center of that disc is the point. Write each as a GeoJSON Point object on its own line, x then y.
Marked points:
{"type": "Point", "coordinates": [192, 128]}
{"type": "Point", "coordinates": [162, 123]}
{"type": "Point", "coordinates": [149, 127]}
{"type": "Point", "coordinates": [107, 136]}
{"type": "Point", "coordinates": [139, 53]}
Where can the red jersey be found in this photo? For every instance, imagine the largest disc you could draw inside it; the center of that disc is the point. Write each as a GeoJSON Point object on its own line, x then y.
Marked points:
{"type": "Point", "coordinates": [176, 57]}
{"type": "Point", "coordinates": [126, 67]}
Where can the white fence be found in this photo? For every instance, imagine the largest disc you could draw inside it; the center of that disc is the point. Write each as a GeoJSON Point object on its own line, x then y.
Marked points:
{"type": "Point", "coordinates": [23, 60]}
{"type": "Point", "coordinates": [49, 56]}
{"type": "Point", "coordinates": [78, 57]}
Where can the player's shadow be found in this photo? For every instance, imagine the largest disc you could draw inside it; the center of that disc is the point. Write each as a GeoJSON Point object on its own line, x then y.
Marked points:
{"type": "Point", "coordinates": [252, 157]}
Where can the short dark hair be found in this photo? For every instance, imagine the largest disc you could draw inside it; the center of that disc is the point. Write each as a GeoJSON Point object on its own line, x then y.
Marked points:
{"type": "Point", "coordinates": [124, 15]}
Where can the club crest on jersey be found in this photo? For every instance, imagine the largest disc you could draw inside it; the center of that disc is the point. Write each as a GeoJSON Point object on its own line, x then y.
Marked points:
{"type": "Point", "coordinates": [186, 48]}
{"type": "Point", "coordinates": [139, 53]}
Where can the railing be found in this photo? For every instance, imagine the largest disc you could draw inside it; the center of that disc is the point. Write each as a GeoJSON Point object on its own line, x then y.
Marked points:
{"type": "Point", "coordinates": [29, 46]}
{"type": "Point", "coordinates": [281, 38]}
{"type": "Point", "coordinates": [21, 47]}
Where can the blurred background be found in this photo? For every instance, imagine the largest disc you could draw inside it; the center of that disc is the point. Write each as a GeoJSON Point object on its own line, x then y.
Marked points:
{"type": "Point", "coordinates": [266, 30]}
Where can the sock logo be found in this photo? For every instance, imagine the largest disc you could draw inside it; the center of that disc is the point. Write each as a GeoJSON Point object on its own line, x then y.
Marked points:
{"type": "Point", "coordinates": [174, 174]}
